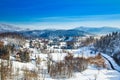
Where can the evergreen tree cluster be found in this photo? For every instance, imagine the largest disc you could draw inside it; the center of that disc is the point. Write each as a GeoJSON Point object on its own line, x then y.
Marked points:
{"type": "Point", "coordinates": [110, 45]}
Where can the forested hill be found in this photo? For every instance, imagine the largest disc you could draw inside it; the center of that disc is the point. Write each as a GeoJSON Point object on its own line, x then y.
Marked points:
{"type": "Point", "coordinates": [110, 44]}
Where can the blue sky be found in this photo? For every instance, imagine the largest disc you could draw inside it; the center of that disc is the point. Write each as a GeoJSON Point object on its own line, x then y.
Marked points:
{"type": "Point", "coordinates": [44, 14]}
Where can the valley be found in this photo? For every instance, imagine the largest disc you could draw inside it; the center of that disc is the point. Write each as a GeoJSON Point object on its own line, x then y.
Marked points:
{"type": "Point", "coordinates": [59, 55]}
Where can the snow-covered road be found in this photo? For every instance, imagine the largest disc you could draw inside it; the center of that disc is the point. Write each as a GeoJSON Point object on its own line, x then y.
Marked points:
{"type": "Point", "coordinates": [113, 64]}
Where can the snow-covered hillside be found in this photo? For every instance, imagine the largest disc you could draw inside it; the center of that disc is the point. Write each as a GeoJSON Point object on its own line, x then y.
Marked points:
{"type": "Point", "coordinates": [91, 73]}
{"type": "Point", "coordinates": [37, 60]}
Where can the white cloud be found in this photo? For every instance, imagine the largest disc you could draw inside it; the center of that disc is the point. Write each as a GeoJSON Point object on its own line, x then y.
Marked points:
{"type": "Point", "coordinates": [79, 18]}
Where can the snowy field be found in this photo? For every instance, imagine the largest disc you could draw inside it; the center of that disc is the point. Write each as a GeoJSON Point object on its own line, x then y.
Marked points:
{"type": "Point", "coordinates": [91, 73]}
{"type": "Point", "coordinates": [112, 72]}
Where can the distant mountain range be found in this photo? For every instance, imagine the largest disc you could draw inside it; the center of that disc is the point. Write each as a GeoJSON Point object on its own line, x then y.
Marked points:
{"type": "Point", "coordinates": [100, 30]}
{"type": "Point", "coordinates": [79, 31]}
{"type": "Point", "coordinates": [42, 33]}
{"type": "Point", "coordinates": [53, 33]}
{"type": "Point", "coordinates": [9, 28]}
